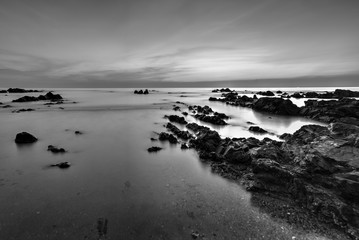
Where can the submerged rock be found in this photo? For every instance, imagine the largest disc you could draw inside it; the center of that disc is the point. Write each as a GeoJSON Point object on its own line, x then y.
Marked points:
{"type": "Point", "coordinates": [257, 129]}
{"type": "Point", "coordinates": [61, 165]}
{"type": "Point", "coordinates": [154, 149]}
{"type": "Point", "coordinates": [54, 149]}
{"type": "Point", "coordinates": [25, 137]}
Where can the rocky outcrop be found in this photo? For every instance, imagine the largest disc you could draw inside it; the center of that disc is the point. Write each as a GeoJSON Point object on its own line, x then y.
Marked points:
{"type": "Point", "coordinates": [267, 93]}
{"type": "Point", "coordinates": [214, 119]}
{"type": "Point", "coordinates": [176, 119]}
{"type": "Point", "coordinates": [276, 106]}
{"type": "Point", "coordinates": [141, 91]}
{"type": "Point", "coordinates": [21, 90]}
{"type": "Point", "coordinates": [25, 137]}
{"type": "Point", "coordinates": [305, 168]}
{"type": "Point", "coordinates": [48, 96]}
{"type": "Point", "coordinates": [163, 136]}
{"type": "Point", "coordinates": [222, 90]}
{"type": "Point", "coordinates": [257, 129]}
{"type": "Point", "coordinates": [185, 135]}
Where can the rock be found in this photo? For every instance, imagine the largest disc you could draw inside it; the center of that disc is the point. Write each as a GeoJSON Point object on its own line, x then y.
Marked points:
{"type": "Point", "coordinates": [25, 137]}
{"type": "Point", "coordinates": [48, 96]}
{"type": "Point", "coordinates": [257, 129]}
{"type": "Point", "coordinates": [62, 165]}
{"type": "Point", "coordinates": [177, 119]}
{"type": "Point", "coordinates": [176, 131]}
{"type": "Point", "coordinates": [78, 132]}
{"type": "Point", "coordinates": [276, 106]}
{"type": "Point", "coordinates": [3, 91]}
{"type": "Point", "coordinates": [215, 119]}
{"type": "Point", "coordinates": [154, 139]}
{"type": "Point", "coordinates": [20, 90]}
{"type": "Point", "coordinates": [141, 91]}
{"type": "Point", "coordinates": [267, 93]}
{"type": "Point", "coordinates": [154, 149]}
{"type": "Point", "coordinates": [54, 149]}
{"type": "Point", "coordinates": [297, 95]}
{"type": "Point", "coordinates": [176, 108]}
{"type": "Point", "coordinates": [167, 137]}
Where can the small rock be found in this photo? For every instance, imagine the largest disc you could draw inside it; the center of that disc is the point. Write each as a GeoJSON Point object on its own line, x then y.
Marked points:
{"type": "Point", "coordinates": [154, 149]}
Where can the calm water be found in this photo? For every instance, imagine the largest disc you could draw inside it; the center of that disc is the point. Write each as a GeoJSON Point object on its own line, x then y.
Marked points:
{"type": "Point", "coordinates": [143, 196]}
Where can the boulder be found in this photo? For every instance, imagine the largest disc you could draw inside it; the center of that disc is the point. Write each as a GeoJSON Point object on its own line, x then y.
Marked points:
{"type": "Point", "coordinates": [25, 137]}
{"type": "Point", "coordinates": [257, 129]}
{"type": "Point", "coordinates": [276, 106]}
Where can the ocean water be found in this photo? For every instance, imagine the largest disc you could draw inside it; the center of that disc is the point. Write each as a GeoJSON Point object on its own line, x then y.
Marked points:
{"type": "Point", "coordinates": [165, 195]}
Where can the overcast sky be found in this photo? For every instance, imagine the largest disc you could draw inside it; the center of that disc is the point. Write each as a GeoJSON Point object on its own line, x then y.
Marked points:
{"type": "Point", "coordinates": [90, 42]}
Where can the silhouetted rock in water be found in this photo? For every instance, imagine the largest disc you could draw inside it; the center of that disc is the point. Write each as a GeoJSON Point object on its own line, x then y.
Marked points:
{"type": "Point", "coordinates": [48, 96]}
{"type": "Point", "coordinates": [297, 95]}
{"type": "Point", "coordinates": [23, 110]}
{"type": "Point", "coordinates": [6, 106]}
{"type": "Point", "coordinates": [61, 165]}
{"type": "Point", "coordinates": [141, 91]}
{"type": "Point", "coordinates": [222, 90]}
{"type": "Point", "coordinates": [221, 115]}
{"type": "Point", "coordinates": [25, 137]}
{"type": "Point", "coordinates": [315, 168]}
{"type": "Point", "coordinates": [276, 106]}
{"type": "Point", "coordinates": [20, 90]}
{"type": "Point", "coordinates": [267, 93]}
{"type": "Point", "coordinates": [279, 92]}
{"type": "Point", "coordinates": [215, 119]}
{"type": "Point", "coordinates": [257, 129]}
{"type": "Point", "coordinates": [177, 119]}
{"type": "Point", "coordinates": [78, 132]}
{"type": "Point", "coordinates": [154, 149]}
{"type": "Point", "coordinates": [54, 149]}
{"type": "Point", "coordinates": [176, 131]}
{"type": "Point", "coordinates": [154, 139]}
{"type": "Point", "coordinates": [343, 110]}
{"type": "Point", "coordinates": [185, 113]}
{"type": "Point", "coordinates": [3, 91]}
{"type": "Point", "coordinates": [167, 137]}
{"type": "Point", "coordinates": [250, 123]}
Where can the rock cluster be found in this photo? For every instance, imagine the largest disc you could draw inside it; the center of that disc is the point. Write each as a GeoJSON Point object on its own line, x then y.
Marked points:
{"type": "Point", "coordinates": [48, 96]}
{"type": "Point", "coordinates": [141, 91]}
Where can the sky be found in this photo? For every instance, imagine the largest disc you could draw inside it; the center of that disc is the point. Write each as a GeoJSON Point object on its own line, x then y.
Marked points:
{"type": "Point", "coordinates": [94, 43]}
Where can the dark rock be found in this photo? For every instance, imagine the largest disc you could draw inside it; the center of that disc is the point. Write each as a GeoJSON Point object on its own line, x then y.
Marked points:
{"type": "Point", "coordinates": [167, 137]}
{"type": "Point", "coordinates": [154, 139]}
{"type": "Point", "coordinates": [177, 119]}
{"type": "Point", "coordinates": [6, 106]}
{"type": "Point", "coordinates": [78, 132]}
{"type": "Point", "coordinates": [54, 149]}
{"type": "Point", "coordinates": [62, 165]}
{"type": "Point", "coordinates": [185, 113]}
{"type": "Point", "coordinates": [146, 91]}
{"type": "Point", "coordinates": [267, 93]}
{"type": "Point", "coordinates": [176, 131]}
{"type": "Point", "coordinates": [25, 137]}
{"type": "Point", "coordinates": [176, 108]}
{"type": "Point", "coordinates": [215, 119]}
{"type": "Point", "coordinates": [297, 95]}
{"type": "Point", "coordinates": [141, 91]}
{"type": "Point", "coordinates": [276, 105]}
{"type": "Point", "coordinates": [257, 129]}
{"type": "Point", "coordinates": [48, 96]}
{"type": "Point", "coordinates": [20, 90]}
{"type": "Point", "coordinates": [3, 91]}
{"type": "Point", "coordinates": [154, 149]}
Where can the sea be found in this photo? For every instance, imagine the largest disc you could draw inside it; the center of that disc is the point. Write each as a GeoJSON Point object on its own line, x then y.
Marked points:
{"type": "Point", "coordinates": [170, 194]}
